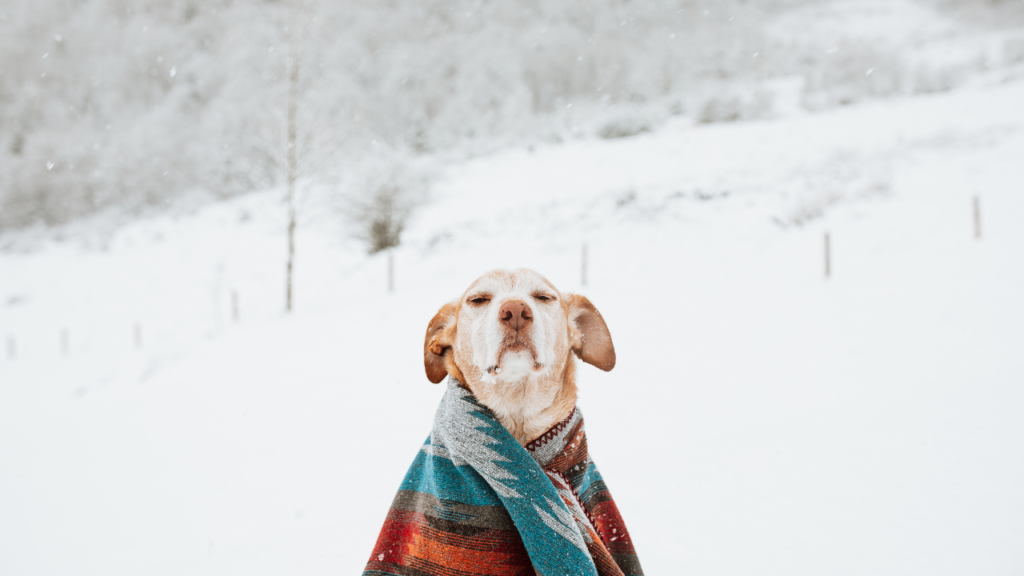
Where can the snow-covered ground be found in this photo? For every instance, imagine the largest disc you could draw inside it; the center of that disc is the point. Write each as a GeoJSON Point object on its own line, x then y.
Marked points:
{"type": "Point", "coordinates": [762, 419]}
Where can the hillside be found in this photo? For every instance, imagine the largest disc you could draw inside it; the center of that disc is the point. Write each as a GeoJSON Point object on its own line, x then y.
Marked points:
{"type": "Point", "coordinates": [762, 418]}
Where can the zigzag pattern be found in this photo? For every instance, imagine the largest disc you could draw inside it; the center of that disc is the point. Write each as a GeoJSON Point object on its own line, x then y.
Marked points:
{"type": "Point", "coordinates": [551, 434]}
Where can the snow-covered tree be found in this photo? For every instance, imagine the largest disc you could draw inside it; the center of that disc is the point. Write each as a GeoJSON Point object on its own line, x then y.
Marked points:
{"type": "Point", "coordinates": [135, 104]}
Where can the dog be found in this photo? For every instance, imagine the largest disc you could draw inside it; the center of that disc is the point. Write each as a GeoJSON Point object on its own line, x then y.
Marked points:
{"type": "Point", "coordinates": [511, 338]}
{"type": "Point", "coordinates": [505, 483]}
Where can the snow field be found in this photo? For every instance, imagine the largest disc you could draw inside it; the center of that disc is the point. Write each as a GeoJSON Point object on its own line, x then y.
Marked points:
{"type": "Point", "coordinates": [761, 419]}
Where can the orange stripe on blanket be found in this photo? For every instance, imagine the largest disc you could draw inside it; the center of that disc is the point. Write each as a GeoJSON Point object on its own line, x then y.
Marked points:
{"type": "Point", "coordinates": [494, 563]}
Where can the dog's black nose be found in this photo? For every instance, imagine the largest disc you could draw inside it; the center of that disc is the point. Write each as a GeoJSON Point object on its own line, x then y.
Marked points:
{"type": "Point", "coordinates": [515, 314]}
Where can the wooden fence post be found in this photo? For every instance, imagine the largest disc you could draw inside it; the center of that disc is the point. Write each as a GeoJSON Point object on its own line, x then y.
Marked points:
{"type": "Point", "coordinates": [828, 257]}
{"type": "Point", "coordinates": [391, 270]}
{"type": "Point", "coordinates": [583, 265]}
{"type": "Point", "coordinates": [977, 217]}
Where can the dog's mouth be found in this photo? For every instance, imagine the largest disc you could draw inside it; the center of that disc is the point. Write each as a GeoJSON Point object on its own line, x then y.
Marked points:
{"type": "Point", "coordinates": [513, 347]}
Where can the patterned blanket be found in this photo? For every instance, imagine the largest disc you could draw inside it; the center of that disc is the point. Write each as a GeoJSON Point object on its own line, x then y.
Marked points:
{"type": "Point", "coordinates": [476, 502]}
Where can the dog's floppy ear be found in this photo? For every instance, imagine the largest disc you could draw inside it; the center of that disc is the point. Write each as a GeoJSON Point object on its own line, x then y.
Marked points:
{"type": "Point", "coordinates": [438, 340]}
{"type": "Point", "coordinates": [594, 344]}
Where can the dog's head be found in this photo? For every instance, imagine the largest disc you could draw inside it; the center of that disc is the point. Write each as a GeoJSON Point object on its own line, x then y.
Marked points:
{"type": "Point", "coordinates": [512, 335]}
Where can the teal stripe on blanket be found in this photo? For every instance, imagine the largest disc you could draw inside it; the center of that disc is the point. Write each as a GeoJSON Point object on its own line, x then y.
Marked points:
{"type": "Point", "coordinates": [439, 477]}
{"type": "Point", "coordinates": [591, 480]}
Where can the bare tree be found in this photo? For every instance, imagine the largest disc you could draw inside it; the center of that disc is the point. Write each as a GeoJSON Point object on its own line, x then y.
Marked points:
{"type": "Point", "coordinates": [386, 192]}
{"type": "Point", "coordinates": [311, 138]}
{"type": "Point", "coordinates": [294, 62]}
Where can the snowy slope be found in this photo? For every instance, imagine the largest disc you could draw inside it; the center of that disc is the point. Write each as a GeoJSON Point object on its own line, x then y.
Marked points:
{"type": "Point", "coordinates": [761, 420]}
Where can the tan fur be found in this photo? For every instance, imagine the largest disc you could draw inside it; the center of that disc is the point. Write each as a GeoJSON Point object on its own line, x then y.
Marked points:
{"type": "Point", "coordinates": [527, 376]}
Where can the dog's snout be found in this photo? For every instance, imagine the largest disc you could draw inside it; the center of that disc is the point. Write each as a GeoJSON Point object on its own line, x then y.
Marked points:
{"type": "Point", "coordinates": [515, 314]}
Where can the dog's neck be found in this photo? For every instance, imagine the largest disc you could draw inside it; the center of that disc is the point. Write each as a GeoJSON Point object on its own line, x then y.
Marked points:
{"type": "Point", "coordinates": [530, 407]}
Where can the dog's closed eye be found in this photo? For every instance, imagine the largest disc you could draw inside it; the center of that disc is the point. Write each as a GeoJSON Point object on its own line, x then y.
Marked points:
{"type": "Point", "coordinates": [478, 299]}
{"type": "Point", "coordinates": [541, 297]}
